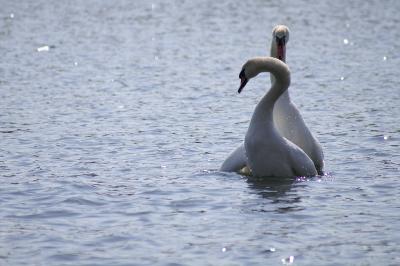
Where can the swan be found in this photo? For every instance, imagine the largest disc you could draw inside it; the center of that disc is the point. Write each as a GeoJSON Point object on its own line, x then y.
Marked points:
{"type": "Point", "coordinates": [287, 118]}
{"type": "Point", "coordinates": [268, 152]}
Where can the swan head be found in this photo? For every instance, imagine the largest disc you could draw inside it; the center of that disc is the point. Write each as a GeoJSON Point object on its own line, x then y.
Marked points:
{"type": "Point", "coordinates": [257, 65]}
{"type": "Point", "coordinates": [249, 70]}
{"type": "Point", "coordinates": [280, 37]}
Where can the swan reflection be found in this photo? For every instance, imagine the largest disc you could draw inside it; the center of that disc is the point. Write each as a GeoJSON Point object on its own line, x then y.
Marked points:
{"type": "Point", "coordinates": [280, 192]}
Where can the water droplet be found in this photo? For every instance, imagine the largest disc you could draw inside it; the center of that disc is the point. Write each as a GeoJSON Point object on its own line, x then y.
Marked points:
{"type": "Point", "coordinates": [45, 48]}
{"type": "Point", "coordinates": [12, 15]}
{"type": "Point", "coordinates": [345, 41]}
{"type": "Point", "coordinates": [341, 78]}
{"type": "Point", "coordinates": [289, 260]}
{"type": "Point", "coordinates": [223, 249]}
{"type": "Point", "coordinates": [384, 58]}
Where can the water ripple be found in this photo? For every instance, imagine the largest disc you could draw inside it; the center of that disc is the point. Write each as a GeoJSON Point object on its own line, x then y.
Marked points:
{"type": "Point", "coordinates": [114, 117]}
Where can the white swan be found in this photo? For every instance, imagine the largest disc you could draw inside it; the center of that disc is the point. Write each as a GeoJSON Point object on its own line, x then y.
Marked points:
{"type": "Point", "coordinates": [268, 153]}
{"type": "Point", "coordinates": [287, 117]}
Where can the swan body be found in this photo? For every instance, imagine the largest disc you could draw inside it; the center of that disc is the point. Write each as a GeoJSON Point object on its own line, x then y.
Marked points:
{"type": "Point", "coordinates": [286, 116]}
{"type": "Point", "coordinates": [268, 152]}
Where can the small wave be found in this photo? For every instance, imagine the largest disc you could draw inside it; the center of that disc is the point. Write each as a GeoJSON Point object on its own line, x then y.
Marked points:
{"type": "Point", "coordinates": [46, 215]}
{"type": "Point", "coordinates": [82, 201]}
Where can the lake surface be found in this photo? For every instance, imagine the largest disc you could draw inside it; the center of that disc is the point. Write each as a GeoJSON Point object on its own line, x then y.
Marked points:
{"type": "Point", "coordinates": [116, 115]}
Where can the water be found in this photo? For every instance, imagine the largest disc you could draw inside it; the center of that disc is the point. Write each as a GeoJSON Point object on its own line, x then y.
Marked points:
{"type": "Point", "coordinates": [115, 117]}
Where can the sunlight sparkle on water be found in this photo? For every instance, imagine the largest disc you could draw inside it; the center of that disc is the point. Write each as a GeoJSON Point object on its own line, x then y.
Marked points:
{"type": "Point", "coordinates": [45, 48]}
{"type": "Point", "coordinates": [301, 179]}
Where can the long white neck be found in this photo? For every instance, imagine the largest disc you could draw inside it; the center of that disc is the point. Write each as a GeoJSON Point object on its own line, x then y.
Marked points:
{"type": "Point", "coordinates": [274, 53]}
{"type": "Point", "coordinates": [264, 109]}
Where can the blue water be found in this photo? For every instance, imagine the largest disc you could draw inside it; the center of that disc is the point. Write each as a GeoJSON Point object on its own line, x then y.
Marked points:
{"type": "Point", "coordinates": [116, 115]}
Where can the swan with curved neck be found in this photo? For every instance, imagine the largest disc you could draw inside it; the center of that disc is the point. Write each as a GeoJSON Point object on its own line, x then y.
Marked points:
{"type": "Point", "coordinates": [268, 152]}
{"type": "Point", "coordinates": [287, 117]}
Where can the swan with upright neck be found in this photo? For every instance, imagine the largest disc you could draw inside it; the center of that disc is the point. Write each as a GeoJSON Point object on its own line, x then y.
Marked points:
{"type": "Point", "coordinates": [268, 152]}
{"type": "Point", "coordinates": [287, 117]}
